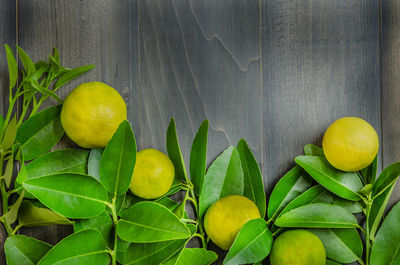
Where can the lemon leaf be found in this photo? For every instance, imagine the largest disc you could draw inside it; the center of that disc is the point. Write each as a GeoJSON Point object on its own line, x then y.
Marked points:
{"type": "Point", "coordinates": [94, 162]}
{"type": "Point", "coordinates": [385, 180]}
{"type": "Point", "coordinates": [174, 152]}
{"type": "Point", "coordinates": [198, 157]}
{"type": "Point", "coordinates": [84, 247]}
{"type": "Point", "coordinates": [313, 150]}
{"type": "Point", "coordinates": [369, 173]}
{"type": "Point", "coordinates": [26, 61]}
{"type": "Point", "coordinates": [70, 194]}
{"type": "Point", "coordinates": [102, 223]}
{"type": "Point", "coordinates": [12, 67]}
{"type": "Point", "coordinates": [72, 74]}
{"type": "Point", "coordinates": [9, 134]}
{"type": "Point", "coordinates": [23, 250]}
{"type": "Point", "coordinates": [193, 256]}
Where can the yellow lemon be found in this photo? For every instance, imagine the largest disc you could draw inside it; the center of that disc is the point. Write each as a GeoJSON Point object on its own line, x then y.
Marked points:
{"type": "Point", "coordinates": [350, 144]}
{"type": "Point", "coordinates": [153, 174]}
{"type": "Point", "coordinates": [297, 247]}
{"type": "Point", "coordinates": [225, 217]}
{"type": "Point", "coordinates": [91, 114]}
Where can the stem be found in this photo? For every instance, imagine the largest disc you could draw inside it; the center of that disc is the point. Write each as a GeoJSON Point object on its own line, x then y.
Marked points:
{"type": "Point", "coordinates": [192, 198]}
{"type": "Point", "coordinates": [115, 220]}
{"type": "Point", "coordinates": [277, 231]}
{"type": "Point", "coordinates": [367, 234]}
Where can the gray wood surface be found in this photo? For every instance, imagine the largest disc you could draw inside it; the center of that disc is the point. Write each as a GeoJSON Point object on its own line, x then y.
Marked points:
{"type": "Point", "coordinates": [274, 72]}
{"type": "Point", "coordinates": [7, 36]}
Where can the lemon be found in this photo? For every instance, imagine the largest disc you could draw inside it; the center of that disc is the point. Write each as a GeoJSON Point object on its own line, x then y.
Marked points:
{"type": "Point", "coordinates": [153, 174]}
{"type": "Point", "coordinates": [225, 217]}
{"type": "Point", "coordinates": [91, 114]}
{"type": "Point", "coordinates": [350, 144]}
{"type": "Point", "coordinates": [298, 247]}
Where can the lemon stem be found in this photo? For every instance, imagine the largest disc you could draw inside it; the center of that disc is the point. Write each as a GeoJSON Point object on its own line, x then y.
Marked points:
{"type": "Point", "coordinates": [367, 233]}
{"type": "Point", "coordinates": [113, 253]}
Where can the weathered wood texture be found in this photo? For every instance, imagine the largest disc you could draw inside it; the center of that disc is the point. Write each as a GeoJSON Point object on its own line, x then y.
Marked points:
{"type": "Point", "coordinates": [391, 86]}
{"type": "Point", "coordinates": [7, 36]}
{"type": "Point", "coordinates": [86, 32]}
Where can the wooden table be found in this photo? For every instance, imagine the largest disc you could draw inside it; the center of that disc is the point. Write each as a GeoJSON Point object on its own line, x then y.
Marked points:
{"type": "Point", "coordinates": [275, 72]}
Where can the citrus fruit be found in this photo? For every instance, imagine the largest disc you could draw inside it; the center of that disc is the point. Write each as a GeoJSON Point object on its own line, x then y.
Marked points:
{"type": "Point", "coordinates": [225, 217]}
{"type": "Point", "coordinates": [91, 114]}
{"type": "Point", "coordinates": [297, 247]}
{"type": "Point", "coordinates": [350, 144]}
{"type": "Point", "coordinates": [153, 174]}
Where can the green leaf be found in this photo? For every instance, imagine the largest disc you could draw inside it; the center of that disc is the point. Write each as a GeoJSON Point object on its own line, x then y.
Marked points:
{"type": "Point", "coordinates": [84, 247]}
{"type": "Point", "coordinates": [318, 215]}
{"type": "Point", "coordinates": [224, 177]}
{"type": "Point", "coordinates": [291, 185]}
{"type": "Point", "coordinates": [94, 162]}
{"type": "Point", "coordinates": [8, 171]}
{"type": "Point", "coordinates": [11, 216]}
{"type": "Point", "coordinates": [62, 160]}
{"type": "Point", "coordinates": [12, 66]}
{"type": "Point", "coordinates": [369, 173]}
{"type": "Point", "coordinates": [148, 222]}
{"type": "Point", "coordinates": [377, 210]}
{"type": "Point", "coordinates": [330, 262]}
{"type": "Point", "coordinates": [252, 244]}
{"type": "Point", "coordinates": [253, 181]}
{"type": "Point", "coordinates": [174, 152]}
{"type": "Point", "coordinates": [30, 215]}
{"type": "Point", "coordinates": [40, 133]}
{"type": "Point", "coordinates": [343, 184]}
{"type": "Point", "coordinates": [102, 223]}
{"type": "Point", "coordinates": [1, 122]}
{"type": "Point", "coordinates": [72, 74]}
{"type": "Point", "coordinates": [198, 157]}
{"type": "Point", "coordinates": [386, 179]}
{"type": "Point", "coordinates": [193, 256]}
{"type": "Point", "coordinates": [9, 134]}
{"type": "Point", "coordinates": [23, 250]}
{"type": "Point", "coordinates": [341, 245]}
{"type": "Point", "coordinates": [313, 150]}
{"type": "Point", "coordinates": [387, 242]}
{"type": "Point", "coordinates": [69, 194]}
{"type": "Point", "coordinates": [26, 61]}
{"type": "Point", "coordinates": [118, 160]}
{"type": "Point", "coordinates": [45, 91]}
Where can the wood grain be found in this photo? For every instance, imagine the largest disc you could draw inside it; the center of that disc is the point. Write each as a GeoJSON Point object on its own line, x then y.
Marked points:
{"type": "Point", "coordinates": [86, 32]}
{"type": "Point", "coordinates": [391, 86]}
{"type": "Point", "coordinates": [320, 63]}
{"type": "Point", "coordinates": [7, 36]}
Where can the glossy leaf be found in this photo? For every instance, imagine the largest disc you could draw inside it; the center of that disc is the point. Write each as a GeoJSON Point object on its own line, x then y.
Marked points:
{"type": "Point", "coordinates": [252, 244]}
{"type": "Point", "coordinates": [1, 122]}
{"type": "Point", "coordinates": [174, 152]}
{"type": "Point", "coordinates": [291, 185]}
{"type": "Point", "coordinates": [8, 171]}
{"type": "Point", "coordinates": [23, 250]}
{"type": "Point", "coordinates": [11, 216]}
{"type": "Point", "coordinates": [369, 173]}
{"type": "Point", "coordinates": [148, 222]}
{"type": "Point", "coordinates": [9, 134]}
{"type": "Point", "coordinates": [198, 157]}
{"type": "Point", "coordinates": [85, 247]}
{"type": "Point", "coordinates": [12, 66]}
{"type": "Point", "coordinates": [30, 215]}
{"type": "Point", "coordinates": [69, 194]}
{"type": "Point", "coordinates": [377, 210]}
{"type": "Point", "coordinates": [318, 215]}
{"type": "Point", "coordinates": [26, 61]}
{"type": "Point", "coordinates": [193, 256]}
{"type": "Point", "coordinates": [62, 160]}
{"type": "Point", "coordinates": [343, 184]}
{"type": "Point", "coordinates": [40, 133]}
{"type": "Point", "coordinates": [45, 91]}
{"type": "Point", "coordinates": [118, 160]}
{"type": "Point", "coordinates": [102, 223]}
{"type": "Point", "coordinates": [386, 179]}
{"type": "Point", "coordinates": [387, 241]}
{"type": "Point", "coordinates": [341, 245]}
{"type": "Point", "coordinates": [224, 177]}
{"type": "Point", "coordinates": [72, 74]}
{"type": "Point", "coordinates": [313, 150]}
{"type": "Point", "coordinates": [253, 181]}
{"type": "Point", "coordinates": [94, 162]}
{"type": "Point", "coordinates": [330, 262]}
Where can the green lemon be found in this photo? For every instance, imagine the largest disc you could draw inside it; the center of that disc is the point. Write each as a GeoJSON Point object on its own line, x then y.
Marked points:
{"type": "Point", "coordinates": [153, 174]}
{"type": "Point", "coordinates": [225, 217]}
{"type": "Point", "coordinates": [91, 114]}
{"type": "Point", "coordinates": [297, 247]}
{"type": "Point", "coordinates": [350, 144]}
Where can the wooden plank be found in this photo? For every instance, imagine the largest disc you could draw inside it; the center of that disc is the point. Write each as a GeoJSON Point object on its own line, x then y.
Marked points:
{"type": "Point", "coordinates": [391, 86]}
{"type": "Point", "coordinates": [320, 63]}
{"type": "Point", "coordinates": [96, 32]}
{"type": "Point", "coordinates": [7, 36]}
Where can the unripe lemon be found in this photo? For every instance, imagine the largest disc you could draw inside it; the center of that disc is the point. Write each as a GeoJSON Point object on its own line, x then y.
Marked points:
{"type": "Point", "coordinates": [153, 174]}
{"type": "Point", "coordinates": [225, 218]}
{"type": "Point", "coordinates": [350, 144]}
{"type": "Point", "coordinates": [297, 247]}
{"type": "Point", "coordinates": [91, 114]}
